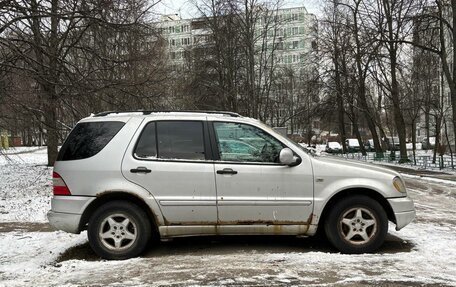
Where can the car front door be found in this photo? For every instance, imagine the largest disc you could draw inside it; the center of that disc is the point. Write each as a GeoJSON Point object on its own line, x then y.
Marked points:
{"type": "Point", "coordinates": [171, 160]}
{"type": "Point", "coordinates": [252, 186]}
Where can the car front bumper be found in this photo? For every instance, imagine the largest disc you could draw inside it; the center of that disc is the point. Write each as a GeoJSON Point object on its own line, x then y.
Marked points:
{"type": "Point", "coordinates": [404, 210]}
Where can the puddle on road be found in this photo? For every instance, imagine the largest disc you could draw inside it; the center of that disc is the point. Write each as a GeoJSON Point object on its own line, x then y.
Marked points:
{"type": "Point", "coordinates": [79, 252]}
{"type": "Point", "coordinates": [394, 244]}
{"type": "Point", "coordinates": [220, 245]}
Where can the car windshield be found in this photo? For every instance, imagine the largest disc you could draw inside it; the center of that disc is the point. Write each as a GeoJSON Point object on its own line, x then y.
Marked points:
{"type": "Point", "coordinates": [353, 142]}
{"type": "Point", "coordinates": [334, 145]}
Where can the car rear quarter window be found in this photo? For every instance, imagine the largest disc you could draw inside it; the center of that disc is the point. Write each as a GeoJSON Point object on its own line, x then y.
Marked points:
{"type": "Point", "coordinates": [171, 140]}
{"type": "Point", "coordinates": [88, 139]}
{"type": "Point", "coordinates": [147, 144]}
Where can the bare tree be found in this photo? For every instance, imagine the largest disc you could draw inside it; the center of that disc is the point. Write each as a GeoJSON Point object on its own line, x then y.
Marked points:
{"type": "Point", "coordinates": [56, 45]}
{"type": "Point", "coordinates": [393, 21]}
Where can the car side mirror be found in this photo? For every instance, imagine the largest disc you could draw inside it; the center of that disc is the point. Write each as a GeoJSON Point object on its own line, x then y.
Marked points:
{"type": "Point", "coordinates": [287, 157]}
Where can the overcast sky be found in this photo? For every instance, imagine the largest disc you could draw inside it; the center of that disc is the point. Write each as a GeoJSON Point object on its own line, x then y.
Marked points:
{"type": "Point", "coordinates": [187, 10]}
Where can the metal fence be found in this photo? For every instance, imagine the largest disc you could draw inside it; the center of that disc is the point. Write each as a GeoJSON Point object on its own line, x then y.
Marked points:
{"type": "Point", "coordinates": [421, 161]}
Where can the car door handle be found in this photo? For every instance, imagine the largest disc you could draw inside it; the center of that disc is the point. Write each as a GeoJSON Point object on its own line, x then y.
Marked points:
{"type": "Point", "coordinates": [226, 171]}
{"type": "Point", "coordinates": [140, 169]}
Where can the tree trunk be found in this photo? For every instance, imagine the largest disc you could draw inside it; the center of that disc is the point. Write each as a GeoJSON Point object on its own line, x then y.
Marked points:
{"type": "Point", "coordinates": [449, 143]}
{"type": "Point", "coordinates": [413, 127]}
{"type": "Point", "coordinates": [50, 121]}
{"type": "Point", "coordinates": [398, 117]}
{"type": "Point", "coordinates": [438, 121]}
{"type": "Point", "coordinates": [361, 73]}
{"type": "Point", "coordinates": [358, 136]}
{"type": "Point", "coordinates": [340, 100]}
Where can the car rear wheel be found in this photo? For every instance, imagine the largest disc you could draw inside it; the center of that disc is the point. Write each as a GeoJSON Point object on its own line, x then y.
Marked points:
{"type": "Point", "coordinates": [357, 224]}
{"type": "Point", "coordinates": [119, 230]}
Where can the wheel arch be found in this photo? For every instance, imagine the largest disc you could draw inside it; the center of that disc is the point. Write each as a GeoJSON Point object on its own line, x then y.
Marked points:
{"type": "Point", "coordinates": [352, 192]}
{"type": "Point", "coordinates": [118, 195]}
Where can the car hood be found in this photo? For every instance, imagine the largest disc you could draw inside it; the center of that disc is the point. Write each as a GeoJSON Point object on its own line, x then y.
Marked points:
{"type": "Point", "coordinates": [345, 167]}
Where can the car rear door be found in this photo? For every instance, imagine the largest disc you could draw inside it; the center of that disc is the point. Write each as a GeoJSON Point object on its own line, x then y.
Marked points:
{"type": "Point", "coordinates": [171, 159]}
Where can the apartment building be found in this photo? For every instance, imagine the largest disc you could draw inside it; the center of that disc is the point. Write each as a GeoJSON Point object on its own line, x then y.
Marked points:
{"type": "Point", "coordinates": [290, 38]}
{"type": "Point", "coordinates": [430, 84]}
{"type": "Point", "coordinates": [295, 35]}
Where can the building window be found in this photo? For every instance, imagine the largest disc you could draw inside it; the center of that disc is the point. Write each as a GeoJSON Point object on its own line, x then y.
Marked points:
{"type": "Point", "coordinates": [295, 58]}
{"type": "Point", "coordinates": [295, 31]}
{"type": "Point", "coordinates": [295, 44]}
{"type": "Point", "coordinates": [185, 41]}
{"type": "Point", "coordinates": [314, 45]}
{"type": "Point", "coordinates": [279, 46]}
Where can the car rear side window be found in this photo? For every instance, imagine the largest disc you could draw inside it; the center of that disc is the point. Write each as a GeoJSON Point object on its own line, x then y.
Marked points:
{"type": "Point", "coordinates": [147, 143]}
{"type": "Point", "coordinates": [88, 139]}
{"type": "Point", "coordinates": [172, 140]}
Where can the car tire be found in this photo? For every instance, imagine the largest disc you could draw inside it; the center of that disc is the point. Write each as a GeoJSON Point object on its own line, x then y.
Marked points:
{"type": "Point", "coordinates": [119, 230]}
{"type": "Point", "coordinates": [356, 224]}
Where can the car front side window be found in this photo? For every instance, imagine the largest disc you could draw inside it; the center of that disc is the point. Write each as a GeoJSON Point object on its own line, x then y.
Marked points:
{"type": "Point", "coordinates": [245, 143]}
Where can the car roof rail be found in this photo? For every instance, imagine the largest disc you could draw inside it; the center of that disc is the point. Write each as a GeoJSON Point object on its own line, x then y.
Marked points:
{"type": "Point", "coordinates": [148, 112]}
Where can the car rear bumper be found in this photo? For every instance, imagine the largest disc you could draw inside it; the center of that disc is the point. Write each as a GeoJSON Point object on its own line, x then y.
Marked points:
{"type": "Point", "coordinates": [68, 222]}
{"type": "Point", "coordinates": [404, 210]}
{"type": "Point", "coordinates": [66, 212]}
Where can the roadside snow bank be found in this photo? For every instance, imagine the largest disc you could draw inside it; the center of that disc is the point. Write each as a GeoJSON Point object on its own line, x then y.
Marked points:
{"type": "Point", "coordinates": [431, 179]}
{"type": "Point", "coordinates": [27, 256]}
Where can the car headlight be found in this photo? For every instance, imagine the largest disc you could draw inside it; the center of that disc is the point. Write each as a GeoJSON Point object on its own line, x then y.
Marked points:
{"type": "Point", "coordinates": [399, 184]}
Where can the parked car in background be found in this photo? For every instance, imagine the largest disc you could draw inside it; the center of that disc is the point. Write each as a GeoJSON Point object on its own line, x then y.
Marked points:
{"type": "Point", "coordinates": [131, 177]}
{"type": "Point", "coordinates": [369, 145]}
{"type": "Point", "coordinates": [428, 143]}
{"type": "Point", "coordinates": [352, 145]}
{"type": "Point", "coordinates": [392, 143]}
{"type": "Point", "coordinates": [333, 147]}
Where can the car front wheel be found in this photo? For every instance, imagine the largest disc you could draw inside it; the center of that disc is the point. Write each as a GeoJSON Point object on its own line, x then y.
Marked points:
{"type": "Point", "coordinates": [357, 224]}
{"type": "Point", "coordinates": [119, 230]}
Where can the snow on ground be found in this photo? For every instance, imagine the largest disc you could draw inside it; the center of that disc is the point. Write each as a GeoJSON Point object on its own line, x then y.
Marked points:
{"type": "Point", "coordinates": [25, 184]}
{"type": "Point", "coordinates": [422, 253]}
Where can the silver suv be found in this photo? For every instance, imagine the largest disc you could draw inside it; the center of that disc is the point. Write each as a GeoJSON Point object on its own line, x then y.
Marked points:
{"type": "Point", "coordinates": [132, 177]}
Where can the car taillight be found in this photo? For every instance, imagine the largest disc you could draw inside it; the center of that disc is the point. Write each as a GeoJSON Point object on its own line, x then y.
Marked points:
{"type": "Point", "coordinates": [60, 187]}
